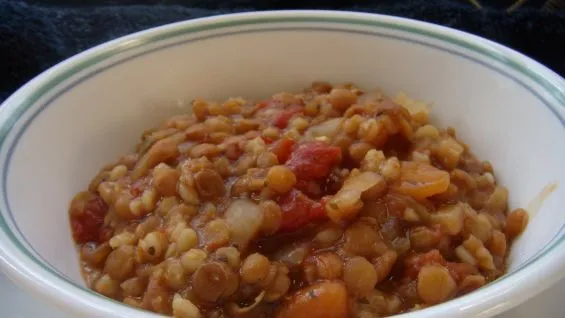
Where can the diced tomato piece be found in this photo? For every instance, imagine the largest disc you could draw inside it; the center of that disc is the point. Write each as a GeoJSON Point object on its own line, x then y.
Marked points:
{"type": "Point", "coordinates": [233, 151]}
{"type": "Point", "coordinates": [458, 271]}
{"type": "Point", "coordinates": [313, 160]}
{"type": "Point", "coordinates": [105, 234]}
{"type": "Point", "coordinates": [282, 118]}
{"type": "Point", "coordinates": [318, 211]}
{"type": "Point", "coordinates": [262, 104]}
{"type": "Point", "coordinates": [136, 188]}
{"type": "Point", "coordinates": [79, 231]}
{"type": "Point", "coordinates": [282, 149]}
{"type": "Point", "coordinates": [414, 263]}
{"type": "Point", "coordinates": [298, 210]}
{"type": "Point", "coordinates": [89, 225]}
{"type": "Point", "coordinates": [267, 140]}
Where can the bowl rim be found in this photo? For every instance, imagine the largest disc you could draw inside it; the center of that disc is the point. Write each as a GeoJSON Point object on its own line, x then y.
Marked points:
{"type": "Point", "coordinates": [25, 269]}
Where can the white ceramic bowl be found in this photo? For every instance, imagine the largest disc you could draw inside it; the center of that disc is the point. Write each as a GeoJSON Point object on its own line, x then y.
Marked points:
{"type": "Point", "coordinates": [60, 128]}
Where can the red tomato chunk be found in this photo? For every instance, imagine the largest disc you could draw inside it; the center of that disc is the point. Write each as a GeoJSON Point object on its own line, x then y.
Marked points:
{"type": "Point", "coordinates": [89, 226]}
{"type": "Point", "coordinates": [298, 210]}
{"type": "Point", "coordinates": [282, 149]}
{"type": "Point", "coordinates": [313, 160]}
{"type": "Point", "coordinates": [282, 118]}
{"type": "Point", "coordinates": [412, 265]}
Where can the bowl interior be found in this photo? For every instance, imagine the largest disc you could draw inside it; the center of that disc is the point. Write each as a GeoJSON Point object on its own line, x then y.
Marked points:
{"type": "Point", "coordinates": [97, 112]}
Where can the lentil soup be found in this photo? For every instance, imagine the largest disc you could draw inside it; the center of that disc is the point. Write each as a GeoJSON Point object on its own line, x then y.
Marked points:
{"type": "Point", "coordinates": [333, 202]}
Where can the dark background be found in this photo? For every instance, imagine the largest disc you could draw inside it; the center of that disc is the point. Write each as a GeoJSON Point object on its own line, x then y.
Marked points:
{"type": "Point", "coordinates": [36, 34]}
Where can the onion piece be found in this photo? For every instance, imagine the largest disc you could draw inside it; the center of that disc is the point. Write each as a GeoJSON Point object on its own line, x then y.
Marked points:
{"type": "Point", "coordinates": [185, 147]}
{"type": "Point", "coordinates": [244, 219]}
{"type": "Point", "coordinates": [327, 128]}
{"type": "Point", "coordinates": [292, 256]}
{"type": "Point", "coordinates": [362, 181]}
{"type": "Point", "coordinates": [419, 110]}
{"type": "Point", "coordinates": [155, 136]}
{"type": "Point", "coordinates": [160, 151]}
{"type": "Point", "coordinates": [347, 201]}
{"type": "Point", "coordinates": [235, 310]}
{"type": "Point", "coordinates": [368, 97]}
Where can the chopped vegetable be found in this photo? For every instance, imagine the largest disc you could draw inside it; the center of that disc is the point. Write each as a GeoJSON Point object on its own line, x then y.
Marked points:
{"type": "Point", "coordinates": [413, 264]}
{"type": "Point", "coordinates": [282, 148]}
{"type": "Point", "coordinates": [347, 202]}
{"type": "Point", "coordinates": [87, 225]}
{"type": "Point", "coordinates": [327, 128]}
{"type": "Point", "coordinates": [322, 300]}
{"type": "Point", "coordinates": [282, 118]}
{"type": "Point", "coordinates": [298, 210]}
{"type": "Point", "coordinates": [313, 160]}
{"type": "Point", "coordinates": [244, 219]}
{"type": "Point", "coordinates": [421, 180]}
